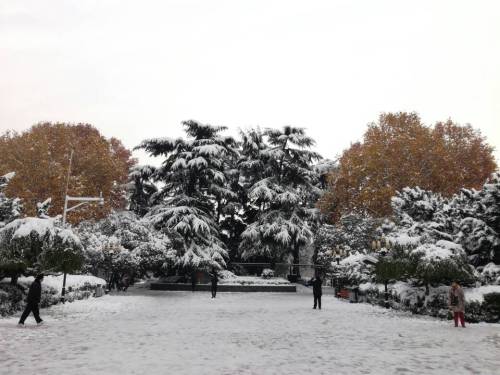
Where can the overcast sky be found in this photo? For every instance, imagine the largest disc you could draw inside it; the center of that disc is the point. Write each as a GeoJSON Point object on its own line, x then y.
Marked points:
{"type": "Point", "coordinates": [136, 69]}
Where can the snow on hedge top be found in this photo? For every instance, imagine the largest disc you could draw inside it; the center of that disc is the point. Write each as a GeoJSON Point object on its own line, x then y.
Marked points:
{"type": "Point", "coordinates": [68, 237]}
{"type": "Point", "coordinates": [229, 278]}
{"type": "Point", "coordinates": [403, 239]}
{"type": "Point", "coordinates": [477, 294]}
{"type": "Point", "coordinates": [491, 268]}
{"type": "Point", "coordinates": [456, 248]}
{"type": "Point", "coordinates": [439, 251]}
{"type": "Point", "coordinates": [72, 281]}
{"type": "Point", "coordinates": [353, 259]}
{"type": "Point", "coordinates": [24, 227]}
{"type": "Point", "coordinates": [9, 176]}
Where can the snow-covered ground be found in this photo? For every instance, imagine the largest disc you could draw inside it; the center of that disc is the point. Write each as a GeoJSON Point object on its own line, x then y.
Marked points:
{"type": "Point", "coordinates": [145, 332]}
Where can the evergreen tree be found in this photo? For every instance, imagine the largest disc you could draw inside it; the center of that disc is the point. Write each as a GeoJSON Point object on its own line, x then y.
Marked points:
{"type": "Point", "coordinates": [64, 253]}
{"type": "Point", "coordinates": [141, 189]}
{"type": "Point", "coordinates": [353, 232]}
{"type": "Point", "coordinates": [10, 208]}
{"type": "Point", "coordinates": [491, 201]}
{"type": "Point", "coordinates": [283, 191]}
{"type": "Point", "coordinates": [194, 174]}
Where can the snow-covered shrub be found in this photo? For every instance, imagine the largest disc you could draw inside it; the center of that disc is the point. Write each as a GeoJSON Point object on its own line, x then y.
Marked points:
{"type": "Point", "coordinates": [37, 244]}
{"type": "Point", "coordinates": [122, 244]}
{"type": "Point", "coordinates": [10, 208]}
{"type": "Point", "coordinates": [64, 253]}
{"type": "Point", "coordinates": [267, 273]}
{"type": "Point", "coordinates": [490, 200]}
{"type": "Point", "coordinates": [353, 233]}
{"type": "Point", "coordinates": [480, 241]}
{"type": "Point", "coordinates": [354, 270]}
{"type": "Point", "coordinates": [226, 275]}
{"type": "Point", "coordinates": [490, 274]}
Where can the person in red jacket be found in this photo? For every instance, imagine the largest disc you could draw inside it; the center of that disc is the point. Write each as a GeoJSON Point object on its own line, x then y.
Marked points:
{"type": "Point", "coordinates": [456, 302]}
{"type": "Point", "coordinates": [34, 295]}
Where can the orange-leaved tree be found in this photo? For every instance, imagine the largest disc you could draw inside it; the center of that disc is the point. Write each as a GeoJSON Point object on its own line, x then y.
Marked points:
{"type": "Point", "coordinates": [40, 158]}
{"type": "Point", "coordinates": [399, 151]}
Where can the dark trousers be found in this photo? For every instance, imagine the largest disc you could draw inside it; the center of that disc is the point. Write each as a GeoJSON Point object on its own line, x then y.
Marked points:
{"type": "Point", "coordinates": [214, 290]}
{"type": "Point", "coordinates": [31, 307]}
{"type": "Point", "coordinates": [317, 301]}
{"type": "Point", "coordinates": [459, 315]}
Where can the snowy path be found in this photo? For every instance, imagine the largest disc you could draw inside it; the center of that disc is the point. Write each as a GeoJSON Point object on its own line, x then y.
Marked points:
{"type": "Point", "coordinates": [264, 333]}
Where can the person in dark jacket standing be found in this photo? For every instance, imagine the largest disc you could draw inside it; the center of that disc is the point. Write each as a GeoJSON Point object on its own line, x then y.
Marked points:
{"type": "Point", "coordinates": [214, 279]}
{"type": "Point", "coordinates": [193, 280]}
{"type": "Point", "coordinates": [34, 295]}
{"type": "Point", "coordinates": [317, 291]}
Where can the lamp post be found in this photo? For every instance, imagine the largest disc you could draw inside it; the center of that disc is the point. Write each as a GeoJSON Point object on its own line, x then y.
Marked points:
{"type": "Point", "coordinates": [383, 252]}
{"type": "Point", "coordinates": [82, 201]}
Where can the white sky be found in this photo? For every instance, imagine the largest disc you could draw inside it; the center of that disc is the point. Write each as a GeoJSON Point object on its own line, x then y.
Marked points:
{"type": "Point", "coordinates": [136, 69]}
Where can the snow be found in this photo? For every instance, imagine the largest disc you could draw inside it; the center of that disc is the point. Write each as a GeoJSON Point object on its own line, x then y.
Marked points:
{"type": "Point", "coordinates": [229, 278]}
{"type": "Point", "coordinates": [210, 150]}
{"type": "Point", "coordinates": [477, 294]}
{"type": "Point", "coordinates": [352, 259]}
{"type": "Point", "coordinates": [240, 333]}
{"type": "Point", "coordinates": [491, 268]}
{"type": "Point", "coordinates": [68, 237]}
{"type": "Point", "coordinates": [432, 252]}
{"type": "Point", "coordinates": [24, 227]}
{"type": "Point", "coordinates": [454, 247]}
{"type": "Point", "coordinates": [9, 176]}
{"type": "Point", "coordinates": [404, 239]}
{"type": "Point", "coordinates": [56, 282]}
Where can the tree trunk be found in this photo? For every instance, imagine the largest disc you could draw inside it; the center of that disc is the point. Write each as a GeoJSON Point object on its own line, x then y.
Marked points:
{"type": "Point", "coordinates": [386, 295]}
{"type": "Point", "coordinates": [427, 291]}
{"type": "Point", "coordinates": [13, 280]}
{"type": "Point", "coordinates": [296, 260]}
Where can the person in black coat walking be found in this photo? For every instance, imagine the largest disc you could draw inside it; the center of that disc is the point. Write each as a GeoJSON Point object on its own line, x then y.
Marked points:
{"type": "Point", "coordinates": [34, 296]}
{"type": "Point", "coordinates": [317, 291]}
{"type": "Point", "coordinates": [214, 278]}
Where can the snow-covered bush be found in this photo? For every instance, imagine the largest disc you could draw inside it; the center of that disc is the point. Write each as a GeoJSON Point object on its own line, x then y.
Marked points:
{"type": "Point", "coordinates": [10, 208]}
{"type": "Point", "coordinates": [353, 233]}
{"type": "Point", "coordinates": [124, 244]}
{"type": "Point", "coordinates": [267, 273]}
{"type": "Point", "coordinates": [354, 269]}
{"type": "Point", "coordinates": [480, 241]}
{"type": "Point", "coordinates": [490, 274]}
{"type": "Point", "coordinates": [38, 244]}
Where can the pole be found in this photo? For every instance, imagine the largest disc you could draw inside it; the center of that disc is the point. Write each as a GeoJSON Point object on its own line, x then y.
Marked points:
{"type": "Point", "coordinates": [386, 302]}
{"type": "Point", "coordinates": [63, 292]}
{"type": "Point", "coordinates": [65, 210]}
